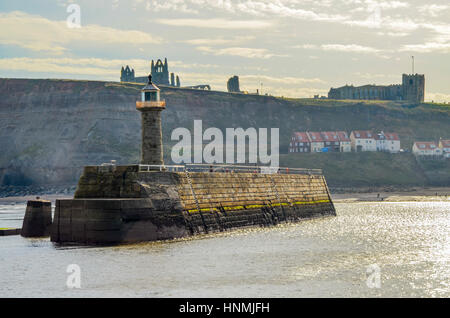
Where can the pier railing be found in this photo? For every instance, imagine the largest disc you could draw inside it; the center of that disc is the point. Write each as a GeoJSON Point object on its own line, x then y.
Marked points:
{"type": "Point", "coordinates": [229, 168]}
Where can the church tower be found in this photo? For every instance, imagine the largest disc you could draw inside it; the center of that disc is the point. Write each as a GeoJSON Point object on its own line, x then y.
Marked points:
{"type": "Point", "coordinates": [413, 88]}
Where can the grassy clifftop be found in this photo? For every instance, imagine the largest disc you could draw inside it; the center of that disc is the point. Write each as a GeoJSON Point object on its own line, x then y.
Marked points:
{"type": "Point", "coordinates": [50, 129]}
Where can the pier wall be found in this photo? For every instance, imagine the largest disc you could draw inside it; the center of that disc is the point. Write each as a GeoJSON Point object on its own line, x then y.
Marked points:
{"type": "Point", "coordinates": [122, 205]}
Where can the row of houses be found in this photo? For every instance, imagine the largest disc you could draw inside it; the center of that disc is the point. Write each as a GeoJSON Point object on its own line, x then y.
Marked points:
{"type": "Point", "coordinates": [432, 149]}
{"type": "Point", "coordinates": [340, 141]}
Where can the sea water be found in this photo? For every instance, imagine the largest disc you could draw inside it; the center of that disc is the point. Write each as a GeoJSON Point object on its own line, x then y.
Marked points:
{"type": "Point", "coordinates": [369, 250]}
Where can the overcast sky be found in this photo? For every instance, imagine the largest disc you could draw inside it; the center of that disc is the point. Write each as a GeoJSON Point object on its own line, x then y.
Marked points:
{"type": "Point", "coordinates": [295, 48]}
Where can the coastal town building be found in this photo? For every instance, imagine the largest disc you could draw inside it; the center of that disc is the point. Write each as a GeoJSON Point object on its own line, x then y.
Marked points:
{"type": "Point", "coordinates": [444, 145]}
{"type": "Point", "coordinates": [331, 141]}
{"type": "Point", "coordinates": [363, 140]}
{"type": "Point", "coordinates": [300, 142]}
{"type": "Point", "coordinates": [426, 149]}
{"type": "Point", "coordinates": [412, 90]}
{"type": "Point", "coordinates": [387, 142]}
{"type": "Point", "coordinates": [340, 141]}
{"type": "Point", "coordinates": [317, 141]}
{"type": "Point", "coordinates": [345, 143]}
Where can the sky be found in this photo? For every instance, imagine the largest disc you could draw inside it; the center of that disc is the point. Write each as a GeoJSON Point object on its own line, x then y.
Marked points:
{"type": "Point", "coordinates": [291, 48]}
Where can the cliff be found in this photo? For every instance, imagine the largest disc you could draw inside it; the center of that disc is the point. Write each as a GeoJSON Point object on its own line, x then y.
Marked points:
{"type": "Point", "coordinates": [51, 129]}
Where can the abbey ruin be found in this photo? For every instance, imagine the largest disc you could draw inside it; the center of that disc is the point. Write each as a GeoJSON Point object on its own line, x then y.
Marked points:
{"type": "Point", "coordinates": [159, 71]}
{"type": "Point", "coordinates": [412, 89]}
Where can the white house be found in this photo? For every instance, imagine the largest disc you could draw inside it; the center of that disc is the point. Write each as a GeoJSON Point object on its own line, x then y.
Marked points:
{"type": "Point", "coordinates": [426, 148]}
{"type": "Point", "coordinates": [345, 141]}
{"type": "Point", "coordinates": [444, 145]}
{"type": "Point", "coordinates": [317, 142]}
{"type": "Point", "coordinates": [388, 142]}
{"type": "Point", "coordinates": [363, 140]}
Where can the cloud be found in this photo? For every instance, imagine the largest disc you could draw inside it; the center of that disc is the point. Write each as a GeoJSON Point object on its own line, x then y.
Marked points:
{"type": "Point", "coordinates": [370, 76]}
{"type": "Point", "coordinates": [40, 34]}
{"type": "Point", "coordinates": [101, 68]}
{"type": "Point", "coordinates": [216, 23]}
{"type": "Point", "coordinates": [172, 5]}
{"type": "Point", "coordinates": [349, 48]}
{"type": "Point", "coordinates": [437, 97]}
{"type": "Point", "coordinates": [433, 10]}
{"type": "Point", "coordinates": [305, 46]}
{"type": "Point", "coordinates": [354, 48]}
{"type": "Point", "coordinates": [270, 8]}
{"type": "Point", "coordinates": [393, 34]}
{"type": "Point", "coordinates": [181, 64]}
{"type": "Point", "coordinates": [440, 42]}
{"type": "Point", "coordinates": [282, 80]}
{"type": "Point", "coordinates": [427, 47]}
{"type": "Point", "coordinates": [239, 51]}
{"type": "Point", "coordinates": [219, 40]}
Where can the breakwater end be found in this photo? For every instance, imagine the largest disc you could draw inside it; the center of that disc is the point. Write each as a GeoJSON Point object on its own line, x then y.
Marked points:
{"type": "Point", "coordinates": [127, 204]}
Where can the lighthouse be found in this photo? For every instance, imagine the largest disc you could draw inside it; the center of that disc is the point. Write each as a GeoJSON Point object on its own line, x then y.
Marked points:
{"type": "Point", "coordinates": [150, 107]}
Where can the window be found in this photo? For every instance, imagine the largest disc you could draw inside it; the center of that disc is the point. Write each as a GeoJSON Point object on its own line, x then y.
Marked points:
{"type": "Point", "coordinates": [358, 135]}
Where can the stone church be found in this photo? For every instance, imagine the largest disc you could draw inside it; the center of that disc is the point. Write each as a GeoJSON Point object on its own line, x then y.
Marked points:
{"type": "Point", "coordinates": [160, 75]}
{"type": "Point", "coordinates": [412, 89]}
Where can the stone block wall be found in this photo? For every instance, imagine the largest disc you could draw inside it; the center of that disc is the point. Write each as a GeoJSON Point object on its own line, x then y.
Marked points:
{"type": "Point", "coordinates": [219, 201]}
{"type": "Point", "coordinates": [112, 221]}
{"type": "Point", "coordinates": [121, 204]}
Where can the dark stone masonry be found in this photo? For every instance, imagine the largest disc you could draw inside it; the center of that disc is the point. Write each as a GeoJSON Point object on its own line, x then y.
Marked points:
{"type": "Point", "coordinates": [38, 219]}
{"type": "Point", "coordinates": [123, 205]}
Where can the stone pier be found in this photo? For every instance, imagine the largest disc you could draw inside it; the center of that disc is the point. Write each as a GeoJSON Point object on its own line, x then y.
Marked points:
{"type": "Point", "coordinates": [125, 205]}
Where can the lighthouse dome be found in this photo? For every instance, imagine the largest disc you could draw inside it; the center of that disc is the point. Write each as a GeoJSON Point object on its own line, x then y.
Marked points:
{"type": "Point", "coordinates": [150, 92]}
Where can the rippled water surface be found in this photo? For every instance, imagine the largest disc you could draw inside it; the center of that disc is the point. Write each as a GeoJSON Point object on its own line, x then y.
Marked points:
{"type": "Point", "coordinates": [410, 242]}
